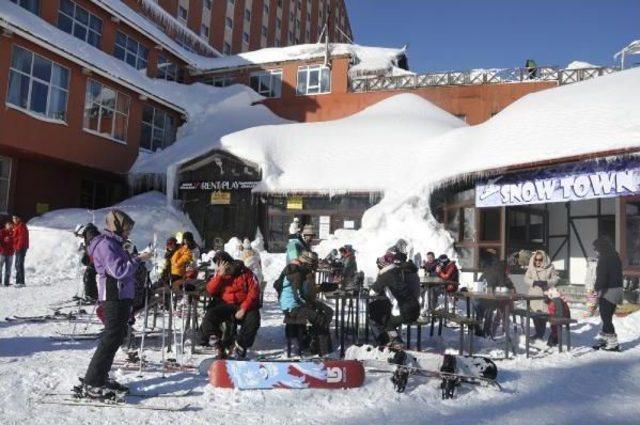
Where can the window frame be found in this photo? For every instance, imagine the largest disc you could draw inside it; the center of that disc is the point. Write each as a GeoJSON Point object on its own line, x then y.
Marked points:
{"type": "Point", "coordinates": [24, 4]}
{"type": "Point", "coordinates": [308, 69]}
{"type": "Point", "coordinates": [101, 107]}
{"type": "Point", "coordinates": [167, 129]}
{"type": "Point", "coordinates": [6, 179]}
{"type": "Point", "coordinates": [271, 74]}
{"type": "Point", "coordinates": [32, 78]}
{"type": "Point", "coordinates": [127, 51]}
{"type": "Point", "coordinates": [166, 68]}
{"type": "Point", "coordinates": [76, 22]}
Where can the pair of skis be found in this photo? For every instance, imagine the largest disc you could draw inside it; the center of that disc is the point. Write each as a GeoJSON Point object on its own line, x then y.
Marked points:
{"type": "Point", "coordinates": [57, 316]}
{"type": "Point", "coordinates": [70, 399]}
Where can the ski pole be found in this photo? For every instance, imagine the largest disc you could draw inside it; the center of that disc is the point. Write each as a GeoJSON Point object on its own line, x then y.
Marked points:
{"type": "Point", "coordinates": [144, 325]}
{"type": "Point", "coordinates": [184, 297]}
{"type": "Point", "coordinates": [164, 329]}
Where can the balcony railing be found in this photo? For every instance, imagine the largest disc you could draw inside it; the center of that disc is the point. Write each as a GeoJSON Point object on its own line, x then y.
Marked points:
{"type": "Point", "coordinates": [475, 77]}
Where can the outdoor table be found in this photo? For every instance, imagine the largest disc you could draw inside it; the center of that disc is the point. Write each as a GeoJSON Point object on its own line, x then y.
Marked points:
{"type": "Point", "coordinates": [341, 298]}
{"type": "Point", "coordinates": [504, 301]}
{"type": "Point", "coordinates": [429, 284]}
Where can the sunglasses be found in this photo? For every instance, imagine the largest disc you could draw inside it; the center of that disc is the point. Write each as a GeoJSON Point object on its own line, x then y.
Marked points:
{"type": "Point", "coordinates": [538, 260]}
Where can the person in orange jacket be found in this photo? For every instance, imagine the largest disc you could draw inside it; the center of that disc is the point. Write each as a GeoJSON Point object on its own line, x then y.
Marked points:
{"type": "Point", "coordinates": [182, 257]}
{"type": "Point", "coordinates": [235, 295]}
{"type": "Point", "coordinates": [20, 247]}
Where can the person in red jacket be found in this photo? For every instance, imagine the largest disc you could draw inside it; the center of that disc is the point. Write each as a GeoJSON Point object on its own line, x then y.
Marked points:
{"type": "Point", "coordinates": [6, 251]}
{"type": "Point", "coordinates": [20, 247]}
{"type": "Point", "coordinates": [235, 295]}
{"type": "Point", "coordinates": [447, 270]}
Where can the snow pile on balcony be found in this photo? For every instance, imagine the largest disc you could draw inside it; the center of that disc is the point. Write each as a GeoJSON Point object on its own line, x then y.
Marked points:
{"type": "Point", "coordinates": [366, 59]}
{"type": "Point", "coordinates": [580, 65]}
{"type": "Point", "coordinates": [55, 229]}
{"type": "Point", "coordinates": [213, 113]}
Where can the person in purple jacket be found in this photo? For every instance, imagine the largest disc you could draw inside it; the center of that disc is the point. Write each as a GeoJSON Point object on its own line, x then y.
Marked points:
{"type": "Point", "coordinates": [116, 270]}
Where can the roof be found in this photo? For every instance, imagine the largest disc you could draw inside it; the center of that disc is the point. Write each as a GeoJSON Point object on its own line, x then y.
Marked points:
{"type": "Point", "coordinates": [373, 56]}
{"type": "Point", "coordinates": [38, 31]}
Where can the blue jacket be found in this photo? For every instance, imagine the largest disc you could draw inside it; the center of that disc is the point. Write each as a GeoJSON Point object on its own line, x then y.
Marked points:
{"type": "Point", "coordinates": [295, 292]}
{"type": "Point", "coordinates": [294, 247]}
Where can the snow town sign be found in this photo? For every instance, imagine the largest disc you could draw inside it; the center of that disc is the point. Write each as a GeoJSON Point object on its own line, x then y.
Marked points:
{"type": "Point", "coordinates": [561, 184]}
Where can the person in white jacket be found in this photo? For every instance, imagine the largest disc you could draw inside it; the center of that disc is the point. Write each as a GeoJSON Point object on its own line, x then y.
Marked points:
{"type": "Point", "coordinates": [253, 262]}
{"type": "Point", "coordinates": [540, 270]}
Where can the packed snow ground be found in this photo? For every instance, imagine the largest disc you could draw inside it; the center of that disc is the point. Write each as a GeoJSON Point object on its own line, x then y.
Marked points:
{"type": "Point", "coordinates": [593, 388]}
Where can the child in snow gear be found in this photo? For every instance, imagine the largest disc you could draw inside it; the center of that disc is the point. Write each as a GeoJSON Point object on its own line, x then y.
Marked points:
{"type": "Point", "coordinates": [6, 251]}
{"type": "Point", "coordinates": [448, 271]}
{"type": "Point", "coordinates": [397, 281]}
{"type": "Point", "coordinates": [298, 300]}
{"type": "Point", "coordinates": [116, 270]}
{"type": "Point", "coordinates": [236, 296]}
{"type": "Point", "coordinates": [557, 307]}
{"type": "Point", "coordinates": [87, 233]}
{"type": "Point", "coordinates": [609, 288]}
{"type": "Point", "coordinates": [20, 247]}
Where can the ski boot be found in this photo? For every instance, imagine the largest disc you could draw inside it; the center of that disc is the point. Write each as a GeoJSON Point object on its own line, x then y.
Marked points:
{"type": "Point", "coordinates": [400, 378]}
{"type": "Point", "coordinates": [601, 341]}
{"type": "Point", "coordinates": [90, 392]}
{"type": "Point", "coordinates": [239, 353]}
{"type": "Point", "coordinates": [115, 386]}
{"type": "Point", "coordinates": [611, 343]}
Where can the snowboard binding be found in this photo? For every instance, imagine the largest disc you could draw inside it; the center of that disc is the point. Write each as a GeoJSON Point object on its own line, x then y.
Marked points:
{"type": "Point", "coordinates": [449, 383]}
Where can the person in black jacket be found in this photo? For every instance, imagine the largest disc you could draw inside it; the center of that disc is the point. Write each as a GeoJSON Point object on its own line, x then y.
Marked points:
{"type": "Point", "coordinates": [496, 276]}
{"type": "Point", "coordinates": [608, 287]}
{"type": "Point", "coordinates": [87, 233]}
{"type": "Point", "coordinates": [398, 281]}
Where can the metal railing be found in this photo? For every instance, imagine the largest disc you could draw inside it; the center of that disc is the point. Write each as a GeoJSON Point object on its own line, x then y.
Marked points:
{"type": "Point", "coordinates": [476, 77]}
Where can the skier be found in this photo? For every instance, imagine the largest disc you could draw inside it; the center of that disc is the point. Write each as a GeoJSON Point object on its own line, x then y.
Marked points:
{"type": "Point", "coordinates": [297, 297]}
{"type": "Point", "coordinates": [116, 270]}
{"type": "Point", "coordinates": [6, 251]}
{"type": "Point", "coordinates": [540, 270]}
{"type": "Point", "coordinates": [349, 265]}
{"type": "Point", "coordinates": [236, 296]}
{"type": "Point", "coordinates": [609, 288]}
{"type": "Point", "coordinates": [391, 277]}
{"type": "Point", "coordinates": [20, 247]}
{"type": "Point", "coordinates": [87, 233]}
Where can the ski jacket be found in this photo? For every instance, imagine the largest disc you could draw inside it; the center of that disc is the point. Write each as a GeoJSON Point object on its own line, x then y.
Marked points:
{"type": "Point", "coordinates": [253, 262]}
{"type": "Point", "coordinates": [449, 272]}
{"type": "Point", "coordinates": [180, 259]}
{"type": "Point", "coordinates": [20, 237]}
{"type": "Point", "coordinates": [116, 268]}
{"type": "Point", "coordinates": [430, 268]}
{"type": "Point", "coordinates": [409, 274]}
{"type": "Point", "coordinates": [608, 271]}
{"type": "Point", "coordinates": [298, 287]}
{"type": "Point", "coordinates": [239, 288]}
{"type": "Point", "coordinates": [6, 242]}
{"type": "Point", "coordinates": [295, 246]}
{"type": "Point", "coordinates": [391, 277]}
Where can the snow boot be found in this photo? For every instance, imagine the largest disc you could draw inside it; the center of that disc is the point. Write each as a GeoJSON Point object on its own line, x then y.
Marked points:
{"type": "Point", "coordinates": [114, 385]}
{"type": "Point", "coordinates": [552, 341]}
{"type": "Point", "coordinates": [94, 393]}
{"type": "Point", "coordinates": [239, 352]}
{"type": "Point", "coordinates": [611, 343]}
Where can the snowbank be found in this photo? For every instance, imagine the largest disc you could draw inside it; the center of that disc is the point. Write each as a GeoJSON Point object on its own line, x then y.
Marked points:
{"type": "Point", "coordinates": [53, 247]}
{"type": "Point", "coordinates": [580, 65]}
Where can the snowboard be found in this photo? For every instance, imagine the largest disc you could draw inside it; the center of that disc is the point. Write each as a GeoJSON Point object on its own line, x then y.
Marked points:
{"type": "Point", "coordinates": [470, 366]}
{"type": "Point", "coordinates": [256, 375]}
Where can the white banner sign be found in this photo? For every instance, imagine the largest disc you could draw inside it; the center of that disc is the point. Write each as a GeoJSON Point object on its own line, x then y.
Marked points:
{"type": "Point", "coordinates": [543, 187]}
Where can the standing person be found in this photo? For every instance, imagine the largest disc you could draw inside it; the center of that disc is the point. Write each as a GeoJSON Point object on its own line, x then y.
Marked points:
{"type": "Point", "coordinates": [608, 286]}
{"type": "Point", "coordinates": [170, 248]}
{"type": "Point", "coordinates": [181, 258]}
{"type": "Point", "coordinates": [236, 295]}
{"type": "Point", "coordinates": [116, 270]}
{"type": "Point", "coordinates": [87, 233]}
{"type": "Point", "coordinates": [539, 274]}
{"type": "Point", "coordinates": [295, 243]}
{"type": "Point", "coordinates": [298, 298]}
{"type": "Point", "coordinates": [349, 265]}
{"type": "Point", "coordinates": [20, 247]}
{"type": "Point", "coordinates": [6, 251]}
{"type": "Point", "coordinates": [391, 277]}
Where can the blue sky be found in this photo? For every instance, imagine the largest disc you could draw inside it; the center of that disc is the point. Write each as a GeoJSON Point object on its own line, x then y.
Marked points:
{"type": "Point", "coordinates": [465, 34]}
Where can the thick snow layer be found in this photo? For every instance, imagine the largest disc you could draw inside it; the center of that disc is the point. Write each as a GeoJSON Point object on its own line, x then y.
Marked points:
{"type": "Point", "coordinates": [53, 247]}
{"type": "Point", "coordinates": [31, 26]}
{"type": "Point", "coordinates": [580, 65]}
{"type": "Point", "coordinates": [213, 113]}
{"type": "Point", "coordinates": [366, 58]}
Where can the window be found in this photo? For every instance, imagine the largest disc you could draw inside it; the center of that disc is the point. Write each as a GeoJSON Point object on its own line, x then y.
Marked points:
{"type": "Point", "coordinates": [5, 182]}
{"type": "Point", "coordinates": [268, 83]}
{"type": "Point", "coordinates": [32, 6]}
{"type": "Point", "coordinates": [38, 85]}
{"type": "Point", "coordinates": [229, 23]}
{"type": "Point", "coordinates": [204, 31]}
{"type": "Point", "coordinates": [220, 81]}
{"type": "Point", "coordinates": [489, 224]}
{"type": "Point", "coordinates": [226, 50]}
{"type": "Point", "coordinates": [106, 111]}
{"type": "Point", "coordinates": [130, 51]}
{"type": "Point", "coordinates": [94, 195]}
{"type": "Point", "coordinates": [245, 37]}
{"type": "Point", "coordinates": [158, 129]}
{"type": "Point", "coordinates": [314, 79]}
{"type": "Point", "coordinates": [265, 31]}
{"type": "Point", "coordinates": [167, 70]}
{"type": "Point", "coordinates": [75, 20]}
{"type": "Point", "coordinates": [183, 13]}
{"type": "Point", "coordinates": [632, 231]}
{"type": "Point", "coordinates": [247, 15]}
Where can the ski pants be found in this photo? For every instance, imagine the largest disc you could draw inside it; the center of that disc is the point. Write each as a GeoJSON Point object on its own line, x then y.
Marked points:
{"type": "Point", "coordinates": [6, 262]}
{"type": "Point", "coordinates": [115, 329]}
{"type": "Point", "coordinates": [606, 314]}
{"type": "Point", "coordinates": [19, 263]}
{"type": "Point", "coordinates": [380, 313]}
{"type": "Point", "coordinates": [90, 283]}
{"type": "Point", "coordinates": [316, 313]}
{"type": "Point", "coordinates": [219, 312]}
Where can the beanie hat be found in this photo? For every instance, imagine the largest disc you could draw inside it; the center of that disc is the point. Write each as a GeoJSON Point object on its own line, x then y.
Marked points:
{"type": "Point", "coordinates": [118, 222]}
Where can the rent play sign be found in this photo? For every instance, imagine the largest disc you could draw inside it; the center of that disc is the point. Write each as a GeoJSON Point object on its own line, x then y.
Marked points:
{"type": "Point", "coordinates": [561, 184]}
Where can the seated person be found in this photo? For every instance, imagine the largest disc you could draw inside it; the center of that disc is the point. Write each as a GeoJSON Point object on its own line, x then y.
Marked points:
{"type": "Point", "coordinates": [495, 276]}
{"type": "Point", "coordinates": [391, 277]}
{"type": "Point", "coordinates": [297, 297]}
{"type": "Point", "coordinates": [429, 265]}
{"type": "Point", "coordinates": [556, 307]}
{"type": "Point", "coordinates": [236, 294]}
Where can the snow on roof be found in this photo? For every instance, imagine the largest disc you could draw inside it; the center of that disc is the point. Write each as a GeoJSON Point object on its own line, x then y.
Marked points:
{"type": "Point", "coordinates": [35, 29]}
{"type": "Point", "coordinates": [370, 151]}
{"type": "Point", "coordinates": [213, 112]}
{"type": "Point", "coordinates": [144, 25]}
{"type": "Point", "coordinates": [367, 58]}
